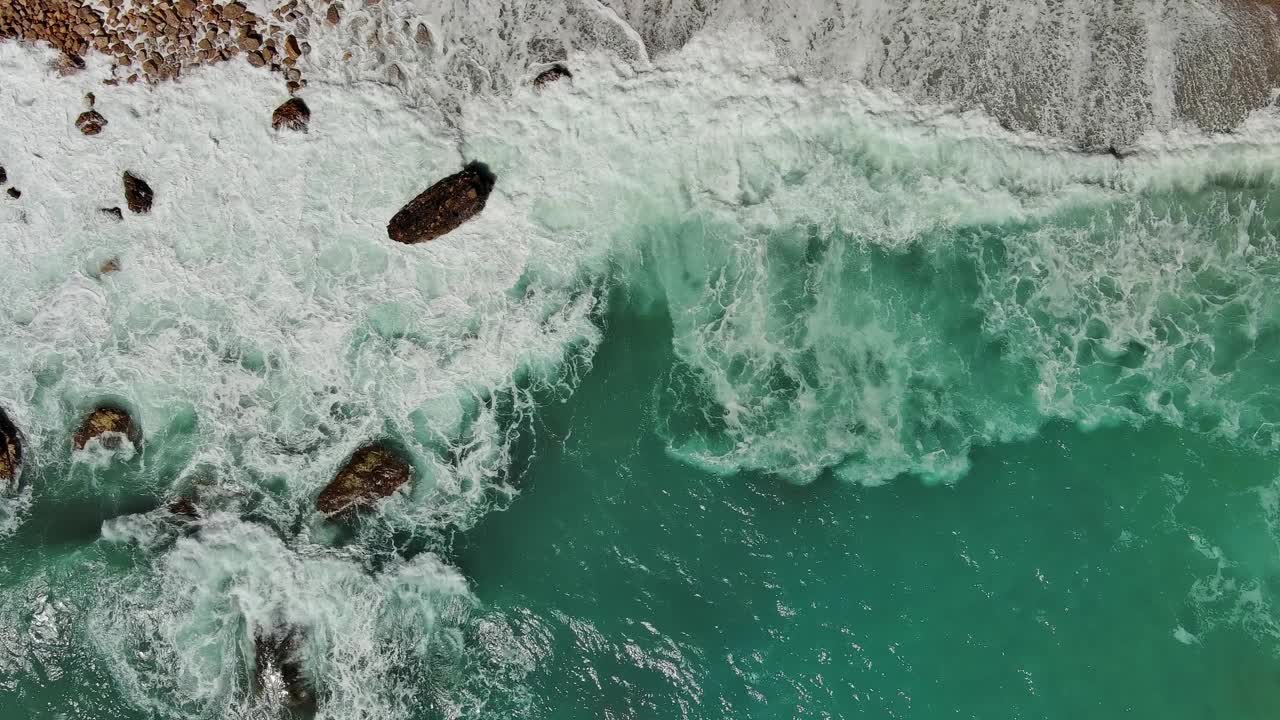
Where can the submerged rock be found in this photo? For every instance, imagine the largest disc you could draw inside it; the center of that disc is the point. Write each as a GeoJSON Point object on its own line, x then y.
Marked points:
{"type": "Point", "coordinates": [137, 193]}
{"type": "Point", "coordinates": [10, 451]}
{"type": "Point", "coordinates": [292, 114]}
{"type": "Point", "coordinates": [278, 670]}
{"type": "Point", "coordinates": [443, 206]}
{"type": "Point", "coordinates": [372, 473]}
{"type": "Point", "coordinates": [113, 212]}
{"type": "Point", "coordinates": [184, 507]}
{"type": "Point", "coordinates": [111, 424]}
{"type": "Point", "coordinates": [552, 74]}
{"type": "Point", "coordinates": [91, 122]}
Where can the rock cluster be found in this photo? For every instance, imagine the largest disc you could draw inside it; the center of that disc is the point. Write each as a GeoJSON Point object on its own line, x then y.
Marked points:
{"type": "Point", "coordinates": [443, 206]}
{"type": "Point", "coordinates": [155, 40]}
{"type": "Point", "coordinates": [137, 193]}
{"type": "Point", "coordinates": [292, 114]}
{"type": "Point", "coordinates": [374, 472]}
{"type": "Point", "coordinates": [10, 451]}
{"type": "Point", "coordinates": [111, 424]}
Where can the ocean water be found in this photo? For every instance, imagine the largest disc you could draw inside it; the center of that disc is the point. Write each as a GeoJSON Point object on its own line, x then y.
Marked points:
{"type": "Point", "coordinates": [754, 392]}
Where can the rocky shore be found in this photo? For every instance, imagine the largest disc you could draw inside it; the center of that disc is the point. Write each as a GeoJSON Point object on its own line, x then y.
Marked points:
{"type": "Point", "coordinates": [155, 40]}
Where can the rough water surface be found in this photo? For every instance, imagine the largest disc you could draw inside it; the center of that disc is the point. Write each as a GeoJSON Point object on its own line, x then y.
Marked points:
{"type": "Point", "coordinates": [745, 395]}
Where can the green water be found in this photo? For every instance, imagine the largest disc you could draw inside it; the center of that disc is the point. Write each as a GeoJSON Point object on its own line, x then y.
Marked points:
{"type": "Point", "coordinates": [1048, 583]}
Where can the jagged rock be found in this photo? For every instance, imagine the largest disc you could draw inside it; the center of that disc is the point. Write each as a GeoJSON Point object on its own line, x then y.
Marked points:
{"type": "Point", "coordinates": [4, 176]}
{"type": "Point", "coordinates": [10, 451]}
{"type": "Point", "coordinates": [292, 114]}
{"type": "Point", "coordinates": [110, 424]}
{"type": "Point", "coordinates": [333, 16]}
{"type": "Point", "coordinates": [137, 193]}
{"type": "Point", "coordinates": [372, 473]}
{"type": "Point", "coordinates": [552, 74]}
{"type": "Point", "coordinates": [91, 122]}
{"type": "Point", "coordinates": [113, 212]}
{"type": "Point", "coordinates": [14, 193]}
{"type": "Point", "coordinates": [184, 507]}
{"type": "Point", "coordinates": [278, 670]}
{"type": "Point", "coordinates": [443, 206]}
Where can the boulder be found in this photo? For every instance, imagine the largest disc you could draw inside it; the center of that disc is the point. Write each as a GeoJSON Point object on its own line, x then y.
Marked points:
{"type": "Point", "coordinates": [292, 114]}
{"type": "Point", "coordinates": [4, 176]}
{"type": "Point", "coordinates": [14, 193]}
{"type": "Point", "coordinates": [111, 424]}
{"type": "Point", "coordinates": [113, 212]}
{"type": "Point", "coordinates": [552, 74]}
{"type": "Point", "coordinates": [91, 122]}
{"type": "Point", "coordinates": [372, 473]}
{"type": "Point", "coordinates": [137, 193]}
{"type": "Point", "coordinates": [443, 206]}
{"type": "Point", "coordinates": [278, 670]}
{"type": "Point", "coordinates": [10, 452]}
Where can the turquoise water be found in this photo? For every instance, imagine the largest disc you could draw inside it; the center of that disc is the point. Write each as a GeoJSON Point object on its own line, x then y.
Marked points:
{"type": "Point", "coordinates": [837, 409]}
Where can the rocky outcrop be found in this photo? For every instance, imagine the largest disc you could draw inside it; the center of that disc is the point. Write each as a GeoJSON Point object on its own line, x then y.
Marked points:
{"type": "Point", "coordinates": [552, 74]}
{"type": "Point", "coordinates": [293, 114]}
{"type": "Point", "coordinates": [10, 452]}
{"type": "Point", "coordinates": [137, 193]}
{"type": "Point", "coordinates": [278, 669]}
{"type": "Point", "coordinates": [14, 193]}
{"type": "Point", "coordinates": [443, 206]}
{"type": "Point", "coordinates": [90, 122]}
{"type": "Point", "coordinates": [374, 472]}
{"type": "Point", "coordinates": [111, 425]}
{"type": "Point", "coordinates": [4, 176]}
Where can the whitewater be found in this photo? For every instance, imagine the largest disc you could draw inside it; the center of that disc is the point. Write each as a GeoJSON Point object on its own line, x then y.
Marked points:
{"type": "Point", "coordinates": [727, 328]}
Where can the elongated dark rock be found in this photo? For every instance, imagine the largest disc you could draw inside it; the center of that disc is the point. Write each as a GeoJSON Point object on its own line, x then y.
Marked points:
{"type": "Point", "coordinates": [443, 206]}
{"type": "Point", "coordinates": [111, 424]}
{"type": "Point", "coordinates": [374, 472]}
{"type": "Point", "coordinates": [552, 74]}
{"type": "Point", "coordinates": [137, 193]}
{"type": "Point", "coordinates": [10, 451]}
{"type": "Point", "coordinates": [278, 670]}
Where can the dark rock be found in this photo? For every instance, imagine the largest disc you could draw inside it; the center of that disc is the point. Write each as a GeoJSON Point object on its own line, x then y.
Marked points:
{"type": "Point", "coordinates": [278, 670]}
{"type": "Point", "coordinates": [14, 193]}
{"type": "Point", "coordinates": [552, 74]}
{"type": "Point", "coordinates": [292, 114]}
{"type": "Point", "coordinates": [4, 176]}
{"type": "Point", "coordinates": [113, 212]}
{"type": "Point", "coordinates": [137, 193]}
{"type": "Point", "coordinates": [184, 507]}
{"type": "Point", "coordinates": [91, 122]}
{"type": "Point", "coordinates": [372, 473]}
{"type": "Point", "coordinates": [443, 206]}
{"type": "Point", "coordinates": [10, 451]}
{"type": "Point", "coordinates": [109, 423]}
{"type": "Point", "coordinates": [109, 266]}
